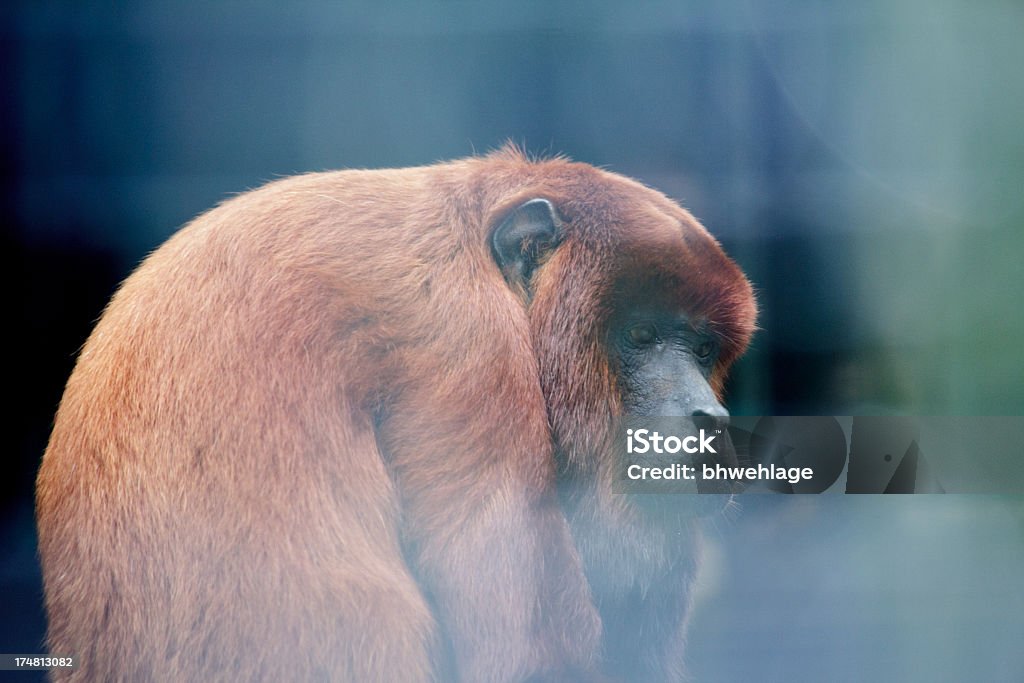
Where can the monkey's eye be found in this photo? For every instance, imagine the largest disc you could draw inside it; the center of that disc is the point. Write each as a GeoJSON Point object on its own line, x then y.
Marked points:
{"type": "Point", "coordinates": [704, 350]}
{"type": "Point", "coordinates": [643, 334]}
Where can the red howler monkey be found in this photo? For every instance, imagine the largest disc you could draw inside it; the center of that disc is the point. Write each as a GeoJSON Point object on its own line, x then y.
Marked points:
{"type": "Point", "coordinates": [353, 426]}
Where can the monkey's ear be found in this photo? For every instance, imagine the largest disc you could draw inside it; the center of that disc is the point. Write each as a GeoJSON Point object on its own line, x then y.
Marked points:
{"type": "Point", "coordinates": [523, 239]}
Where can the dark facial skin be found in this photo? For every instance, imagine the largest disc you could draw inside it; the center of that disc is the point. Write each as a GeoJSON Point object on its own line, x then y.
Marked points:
{"type": "Point", "coordinates": [665, 359]}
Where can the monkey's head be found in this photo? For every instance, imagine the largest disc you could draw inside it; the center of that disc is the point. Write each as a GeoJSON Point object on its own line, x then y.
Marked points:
{"type": "Point", "coordinates": [634, 308]}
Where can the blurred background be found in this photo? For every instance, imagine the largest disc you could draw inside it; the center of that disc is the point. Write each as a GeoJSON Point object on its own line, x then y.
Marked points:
{"type": "Point", "coordinates": [863, 162]}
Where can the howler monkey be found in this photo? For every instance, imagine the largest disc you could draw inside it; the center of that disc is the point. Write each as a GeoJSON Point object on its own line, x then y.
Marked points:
{"type": "Point", "coordinates": [354, 426]}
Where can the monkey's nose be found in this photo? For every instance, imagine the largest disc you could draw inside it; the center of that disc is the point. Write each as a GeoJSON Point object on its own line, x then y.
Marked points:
{"type": "Point", "coordinates": [718, 415]}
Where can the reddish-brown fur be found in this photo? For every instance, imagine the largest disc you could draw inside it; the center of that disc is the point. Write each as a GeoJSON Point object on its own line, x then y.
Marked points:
{"type": "Point", "coordinates": [314, 435]}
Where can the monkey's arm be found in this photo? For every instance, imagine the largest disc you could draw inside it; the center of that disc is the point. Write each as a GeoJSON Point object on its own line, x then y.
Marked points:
{"type": "Point", "coordinates": [473, 463]}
